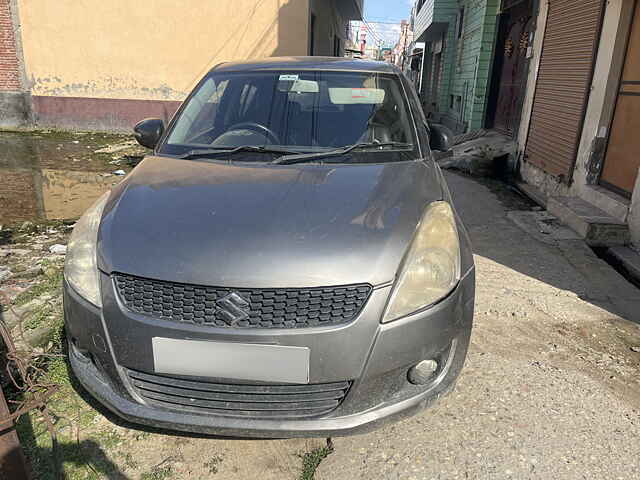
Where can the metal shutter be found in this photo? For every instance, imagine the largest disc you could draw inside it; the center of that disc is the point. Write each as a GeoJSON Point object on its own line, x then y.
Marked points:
{"type": "Point", "coordinates": [562, 88]}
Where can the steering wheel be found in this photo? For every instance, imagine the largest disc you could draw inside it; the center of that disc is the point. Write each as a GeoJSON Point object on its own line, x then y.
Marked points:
{"type": "Point", "coordinates": [256, 127]}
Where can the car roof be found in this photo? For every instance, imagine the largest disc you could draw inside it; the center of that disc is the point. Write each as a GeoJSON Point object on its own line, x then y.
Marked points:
{"type": "Point", "coordinates": [308, 63]}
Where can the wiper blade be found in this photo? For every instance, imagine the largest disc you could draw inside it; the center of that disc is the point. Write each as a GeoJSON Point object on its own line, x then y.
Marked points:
{"type": "Point", "coordinates": [213, 152]}
{"type": "Point", "coordinates": [304, 157]}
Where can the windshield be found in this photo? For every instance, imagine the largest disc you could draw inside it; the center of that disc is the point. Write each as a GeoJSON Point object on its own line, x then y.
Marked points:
{"type": "Point", "coordinates": [304, 111]}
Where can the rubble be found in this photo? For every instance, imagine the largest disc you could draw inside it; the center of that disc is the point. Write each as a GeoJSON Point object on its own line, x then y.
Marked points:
{"type": "Point", "coordinates": [476, 154]}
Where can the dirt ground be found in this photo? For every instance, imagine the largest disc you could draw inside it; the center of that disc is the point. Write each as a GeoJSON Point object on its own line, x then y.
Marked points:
{"type": "Point", "coordinates": [550, 389]}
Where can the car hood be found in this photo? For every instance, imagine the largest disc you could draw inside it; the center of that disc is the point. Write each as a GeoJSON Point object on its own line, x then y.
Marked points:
{"type": "Point", "coordinates": [259, 225]}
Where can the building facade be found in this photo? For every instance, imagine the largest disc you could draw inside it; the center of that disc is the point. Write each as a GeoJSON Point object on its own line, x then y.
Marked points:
{"type": "Point", "coordinates": [473, 70]}
{"type": "Point", "coordinates": [105, 65]}
{"type": "Point", "coordinates": [577, 140]}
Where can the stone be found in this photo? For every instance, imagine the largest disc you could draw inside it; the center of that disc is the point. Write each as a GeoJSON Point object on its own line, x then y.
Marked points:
{"type": "Point", "coordinates": [5, 274]}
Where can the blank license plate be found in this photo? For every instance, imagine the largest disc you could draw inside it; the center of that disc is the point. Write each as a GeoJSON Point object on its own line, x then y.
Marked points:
{"type": "Point", "coordinates": [239, 361]}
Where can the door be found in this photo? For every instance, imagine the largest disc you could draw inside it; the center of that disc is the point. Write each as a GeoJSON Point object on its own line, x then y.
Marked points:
{"type": "Point", "coordinates": [510, 68]}
{"type": "Point", "coordinates": [622, 159]}
{"type": "Point", "coordinates": [563, 84]}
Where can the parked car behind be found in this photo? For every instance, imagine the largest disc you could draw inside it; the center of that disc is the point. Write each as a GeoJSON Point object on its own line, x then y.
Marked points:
{"type": "Point", "coordinates": [287, 262]}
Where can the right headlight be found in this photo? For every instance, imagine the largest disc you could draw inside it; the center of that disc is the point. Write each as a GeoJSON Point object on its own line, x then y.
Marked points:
{"type": "Point", "coordinates": [80, 267]}
{"type": "Point", "coordinates": [431, 267]}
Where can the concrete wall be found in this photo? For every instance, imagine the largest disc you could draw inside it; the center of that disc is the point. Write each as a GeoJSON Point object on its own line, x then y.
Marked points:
{"type": "Point", "coordinates": [83, 58]}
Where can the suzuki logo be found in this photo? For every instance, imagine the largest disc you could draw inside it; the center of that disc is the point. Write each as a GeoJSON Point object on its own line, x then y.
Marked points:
{"type": "Point", "coordinates": [233, 308]}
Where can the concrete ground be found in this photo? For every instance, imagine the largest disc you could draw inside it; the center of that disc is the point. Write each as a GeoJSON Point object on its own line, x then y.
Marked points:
{"type": "Point", "coordinates": [550, 390]}
{"type": "Point", "coordinates": [551, 387]}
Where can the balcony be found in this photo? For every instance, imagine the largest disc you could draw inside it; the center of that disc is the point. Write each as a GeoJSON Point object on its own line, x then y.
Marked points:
{"type": "Point", "coordinates": [433, 17]}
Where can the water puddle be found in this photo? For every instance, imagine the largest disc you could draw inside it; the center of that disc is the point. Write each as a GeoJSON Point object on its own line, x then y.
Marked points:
{"type": "Point", "coordinates": [56, 176]}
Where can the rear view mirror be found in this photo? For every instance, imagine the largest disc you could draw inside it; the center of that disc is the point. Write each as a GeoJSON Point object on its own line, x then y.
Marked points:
{"type": "Point", "coordinates": [440, 137]}
{"type": "Point", "coordinates": [148, 132]}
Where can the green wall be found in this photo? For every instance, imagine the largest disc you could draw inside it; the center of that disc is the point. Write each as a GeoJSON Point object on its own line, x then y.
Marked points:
{"type": "Point", "coordinates": [466, 64]}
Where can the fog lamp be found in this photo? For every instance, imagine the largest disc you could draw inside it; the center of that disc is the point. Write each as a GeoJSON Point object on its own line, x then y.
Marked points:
{"type": "Point", "coordinates": [423, 372]}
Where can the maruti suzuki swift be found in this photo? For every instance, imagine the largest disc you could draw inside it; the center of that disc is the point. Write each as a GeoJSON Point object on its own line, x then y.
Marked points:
{"type": "Point", "coordinates": [287, 262]}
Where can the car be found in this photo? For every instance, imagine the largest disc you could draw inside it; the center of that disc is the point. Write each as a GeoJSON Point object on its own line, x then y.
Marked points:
{"type": "Point", "coordinates": [287, 262]}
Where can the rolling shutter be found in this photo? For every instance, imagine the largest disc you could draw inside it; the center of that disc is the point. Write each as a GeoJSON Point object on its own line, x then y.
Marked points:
{"type": "Point", "coordinates": [562, 88]}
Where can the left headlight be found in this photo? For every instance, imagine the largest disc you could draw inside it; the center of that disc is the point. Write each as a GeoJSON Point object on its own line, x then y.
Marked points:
{"type": "Point", "coordinates": [431, 267]}
{"type": "Point", "coordinates": [80, 266]}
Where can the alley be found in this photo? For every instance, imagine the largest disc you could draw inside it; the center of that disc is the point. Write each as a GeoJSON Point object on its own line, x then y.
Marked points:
{"type": "Point", "coordinates": [550, 388]}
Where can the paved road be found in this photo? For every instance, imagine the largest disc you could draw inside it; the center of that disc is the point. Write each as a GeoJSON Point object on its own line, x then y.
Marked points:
{"type": "Point", "coordinates": [551, 388]}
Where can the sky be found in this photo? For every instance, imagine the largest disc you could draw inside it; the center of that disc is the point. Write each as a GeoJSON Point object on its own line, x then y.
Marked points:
{"type": "Point", "coordinates": [377, 11]}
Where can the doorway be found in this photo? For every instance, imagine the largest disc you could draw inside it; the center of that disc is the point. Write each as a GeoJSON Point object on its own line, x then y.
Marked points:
{"type": "Point", "coordinates": [510, 67]}
{"type": "Point", "coordinates": [622, 159]}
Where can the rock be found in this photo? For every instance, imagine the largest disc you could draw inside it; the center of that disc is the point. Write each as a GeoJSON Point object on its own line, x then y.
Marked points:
{"type": "Point", "coordinates": [58, 249]}
{"type": "Point", "coordinates": [12, 316]}
{"type": "Point", "coordinates": [5, 274]}
{"type": "Point", "coordinates": [31, 273]}
{"type": "Point", "coordinates": [27, 227]}
{"type": "Point", "coordinates": [117, 147]}
{"type": "Point", "coordinates": [5, 252]}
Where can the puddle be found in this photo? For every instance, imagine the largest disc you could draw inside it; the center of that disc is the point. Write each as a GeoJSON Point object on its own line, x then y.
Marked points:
{"type": "Point", "coordinates": [56, 176]}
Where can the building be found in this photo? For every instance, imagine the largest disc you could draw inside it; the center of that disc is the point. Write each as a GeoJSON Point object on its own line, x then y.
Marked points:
{"type": "Point", "coordinates": [106, 64]}
{"type": "Point", "coordinates": [474, 64]}
{"type": "Point", "coordinates": [578, 142]}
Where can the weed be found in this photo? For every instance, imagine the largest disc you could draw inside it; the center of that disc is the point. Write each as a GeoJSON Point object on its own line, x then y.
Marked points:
{"type": "Point", "coordinates": [213, 464]}
{"type": "Point", "coordinates": [51, 283]}
{"type": "Point", "coordinates": [157, 473]}
{"type": "Point", "coordinates": [130, 462]}
{"type": "Point", "coordinates": [311, 460]}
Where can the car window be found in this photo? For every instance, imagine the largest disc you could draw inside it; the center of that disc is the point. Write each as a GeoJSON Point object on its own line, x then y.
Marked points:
{"type": "Point", "coordinates": [305, 111]}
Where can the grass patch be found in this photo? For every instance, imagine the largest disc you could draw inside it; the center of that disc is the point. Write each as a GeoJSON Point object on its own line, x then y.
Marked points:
{"type": "Point", "coordinates": [51, 283]}
{"type": "Point", "coordinates": [311, 460]}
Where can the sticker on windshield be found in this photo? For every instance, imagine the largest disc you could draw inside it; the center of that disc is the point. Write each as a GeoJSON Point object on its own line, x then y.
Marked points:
{"type": "Point", "coordinates": [345, 96]}
{"type": "Point", "coordinates": [288, 78]}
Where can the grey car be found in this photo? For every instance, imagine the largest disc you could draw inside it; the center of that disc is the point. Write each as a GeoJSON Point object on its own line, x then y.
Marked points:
{"type": "Point", "coordinates": [287, 262]}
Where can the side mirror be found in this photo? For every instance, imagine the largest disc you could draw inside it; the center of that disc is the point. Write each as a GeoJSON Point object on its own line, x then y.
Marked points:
{"type": "Point", "coordinates": [440, 137]}
{"type": "Point", "coordinates": [148, 132]}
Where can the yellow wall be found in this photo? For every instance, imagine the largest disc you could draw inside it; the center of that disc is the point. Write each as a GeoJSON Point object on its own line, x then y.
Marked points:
{"type": "Point", "coordinates": [153, 49]}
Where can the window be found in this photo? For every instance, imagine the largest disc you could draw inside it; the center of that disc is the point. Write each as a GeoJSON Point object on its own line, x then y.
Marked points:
{"type": "Point", "coordinates": [302, 110]}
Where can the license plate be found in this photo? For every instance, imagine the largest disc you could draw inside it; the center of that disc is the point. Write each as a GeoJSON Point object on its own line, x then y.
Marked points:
{"type": "Point", "coordinates": [238, 361]}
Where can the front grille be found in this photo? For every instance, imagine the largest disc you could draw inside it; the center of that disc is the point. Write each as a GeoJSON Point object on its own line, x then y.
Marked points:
{"type": "Point", "coordinates": [257, 308]}
{"type": "Point", "coordinates": [247, 401]}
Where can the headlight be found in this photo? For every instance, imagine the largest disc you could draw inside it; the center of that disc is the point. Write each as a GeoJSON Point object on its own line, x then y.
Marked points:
{"type": "Point", "coordinates": [80, 267]}
{"type": "Point", "coordinates": [431, 267]}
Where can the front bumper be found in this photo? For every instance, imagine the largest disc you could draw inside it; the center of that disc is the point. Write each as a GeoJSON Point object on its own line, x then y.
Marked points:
{"type": "Point", "coordinates": [377, 363]}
